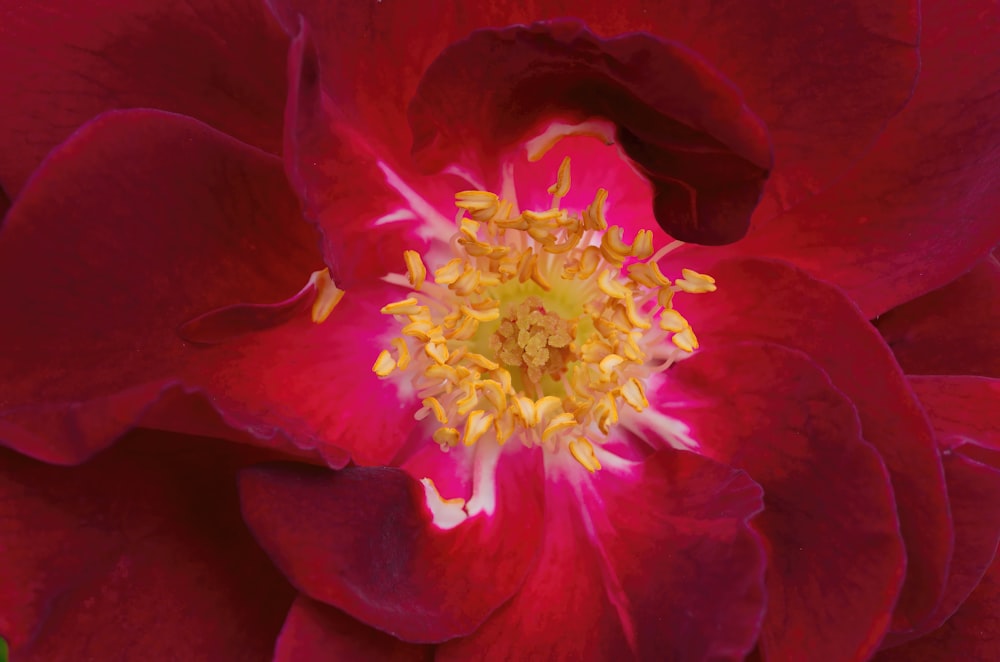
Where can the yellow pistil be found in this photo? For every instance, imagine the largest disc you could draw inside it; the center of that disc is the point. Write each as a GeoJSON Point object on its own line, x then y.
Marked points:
{"type": "Point", "coordinates": [536, 329]}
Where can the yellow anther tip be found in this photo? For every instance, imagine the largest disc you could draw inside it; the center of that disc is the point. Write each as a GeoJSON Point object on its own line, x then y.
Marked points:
{"type": "Point", "coordinates": [328, 295]}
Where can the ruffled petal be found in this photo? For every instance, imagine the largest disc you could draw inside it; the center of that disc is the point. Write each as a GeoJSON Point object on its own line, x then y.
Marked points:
{"type": "Point", "coordinates": [759, 300]}
{"type": "Point", "coordinates": [977, 532]}
{"type": "Point", "coordinates": [963, 409]}
{"type": "Point", "coordinates": [771, 50]}
{"type": "Point", "coordinates": [139, 553]}
{"type": "Point", "coordinates": [366, 211]}
{"type": "Point", "coordinates": [653, 559]}
{"type": "Point", "coordinates": [314, 382]}
{"type": "Point", "coordinates": [315, 631]}
{"type": "Point", "coordinates": [142, 221]}
{"type": "Point", "coordinates": [952, 330]}
{"type": "Point", "coordinates": [922, 207]}
{"type": "Point", "coordinates": [836, 560]}
{"type": "Point", "coordinates": [971, 634]}
{"type": "Point", "coordinates": [363, 540]}
{"type": "Point", "coordinates": [66, 62]}
{"type": "Point", "coordinates": [684, 125]}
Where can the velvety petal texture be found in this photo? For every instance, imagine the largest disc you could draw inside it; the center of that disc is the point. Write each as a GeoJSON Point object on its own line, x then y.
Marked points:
{"type": "Point", "coordinates": [923, 205]}
{"type": "Point", "coordinates": [952, 330]}
{"type": "Point", "coordinates": [593, 592]}
{"type": "Point", "coordinates": [858, 62]}
{"type": "Point", "coordinates": [221, 62]}
{"type": "Point", "coordinates": [139, 554]}
{"type": "Point", "coordinates": [363, 540]}
{"type": "Point", "coordinates": [760, 300]}
{"type": "Point", "coordinates": [971, 634]}
{"type": "Point", "coordinates": [315, 631]}
{"type": "Point", "coordinates": [835, 556]}
{"type": "Point", "coordinates": [684, 125]}
{"type": "Point", "coordinates": [159, 219]}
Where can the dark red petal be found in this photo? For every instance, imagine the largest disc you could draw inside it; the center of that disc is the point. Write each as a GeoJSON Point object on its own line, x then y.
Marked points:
{"type": "Point", "coordinates": [973, 489]}
{"type": "Point", "coordinates": [836, 558]}
{"type": "Point", "coordinates": [952, 330]}
{"type": "Point", "coordinates": [962, 409]}
{"type": "Point", "coordinates": [773, 51]}
{"type": "Point", "coordinates": [139, 554]}
{"type": "Point", "coordinates": [336, 173]}
{"type": "Point", "coordinates": [65, 62]}
{"type": "Point", "coordinates": [923, 206]}
{"type": "Point", "coordinates": [964, 413]}
{"type": "Point", "coordinates": [139, 223]}
{"type": "Point", "coordinates": [767, 301]}
{"type": "Point", "coordinates": [973, 633]}
{"type": "Point", "coordinates": [314, 382]}
{"type": "Point", "coordinates": [362, 540]}
{"type": "Point", "coordinates": [681, 121]}
{"type": "Point", "coordinates": [657, 560]}
{"type": "Point", "coordinates": [315, 631]}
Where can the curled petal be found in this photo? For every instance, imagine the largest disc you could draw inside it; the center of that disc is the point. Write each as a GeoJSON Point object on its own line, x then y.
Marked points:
{"type": "Point", "coordinates": [220, 62]}
{"type": "Point", "coordinates": [684, 125]}
{"type": "Point", "coordinates": [769, 301]}
{"type": "Point", "coordinates": [363, 540]}
{"type": "Point", "coordinates": [119, 557]}
{"type": "Point", "coordinates": [836, 560]}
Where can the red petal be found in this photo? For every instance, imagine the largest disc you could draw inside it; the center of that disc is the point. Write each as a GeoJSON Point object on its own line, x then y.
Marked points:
{"type": "Point", "coordinates": [314, 631]}
{"type": "Point", "coordinates": [836, 559]}
{"type": "Point", "coordinates": [773, 50]}
{"type": "Point", "coordinates": [140, 553]}
{"type": "Point", "coordinates": [362, 540]}
{"type": "Point", "coordinates": [922, 207]}
{"type": "Point", "coordinates": [142, 221]}
{"type": "Point", "coordinates": [971, 634]}
{"type": "Point", "coordinates": [658, 560]}
{"type": "Point", "coordinates": [314, 382]}
{"type": "Point", "coordinates": [977, 532]}
{"type": "Point", "coordinates": [772, 302]}
{"type": "Point", "coordinates": [962, 409]}
{"type": "Point", "coordinates": [952, 330]}
{"type": "Point", "coordinates": [681, 121]}
{"type": "Point", "coordinates": [65, 62]}
{"type": "Point", "coordinates": [348, 186]}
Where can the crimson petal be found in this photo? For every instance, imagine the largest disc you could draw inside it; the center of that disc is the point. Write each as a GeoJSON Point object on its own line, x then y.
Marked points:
{"type": "Point", "coordinates": [680, 120]}
{"type": "Point", "coordinates": [962, 408]}
{"type": "Point", "coordinates": [977, 532]}
{"type": "Point", "coordinates": [66, 62]}
{"type": "Point", "coordinates": [952, 330]}
{"type": "Point", "coordinates": [314, 382]}
{"type": "Point", "coordinates": [140, 222]}
{"type": "Point", "coordinates": [836, 560]}
{"type": "Point", "coordinates": [362, 540]}
{"type": "Point", "coordinates": [140, 553]}
{"type": "Point", "coordinates": [771, 49]}
{"type": "Point", "coordinates": [922, 207]}
{"type": "Point", "coordinates": [657, 560]}
{"type": "Point", "coordinates": [760, 300]}
{"type": "Point", "coordinates": [315, 631]}
{"type": "Point", "coordinates": [971, 634]}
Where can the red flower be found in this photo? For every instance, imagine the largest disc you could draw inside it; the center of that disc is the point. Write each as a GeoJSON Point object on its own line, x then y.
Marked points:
{"type": "Point", "coordinates": [151, 229]}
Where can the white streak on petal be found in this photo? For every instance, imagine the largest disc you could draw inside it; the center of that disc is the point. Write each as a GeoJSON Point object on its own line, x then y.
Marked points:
{"type": "Point", "coordinates": [436, 226]}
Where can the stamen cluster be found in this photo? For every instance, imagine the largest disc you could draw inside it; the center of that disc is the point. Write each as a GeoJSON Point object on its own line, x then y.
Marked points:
{"type": "Point", "coordinates": [536, 329]}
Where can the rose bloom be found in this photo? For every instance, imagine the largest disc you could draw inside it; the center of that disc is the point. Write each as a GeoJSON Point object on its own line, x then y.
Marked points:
{"type": "Point", "coordinates": [407, 330]}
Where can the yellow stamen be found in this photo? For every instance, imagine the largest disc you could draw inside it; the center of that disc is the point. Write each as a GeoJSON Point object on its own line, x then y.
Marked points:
{"type": "Point", "coordinates": [384, 364]}
{"type": "Point", "coordinates": [533, 330]}
{"type": "Point", "coordinates": [583, 452]}
{"type": "Point", "coordinates": [695, 283]}
{"type": "Point", "coordinates": [328, 295]}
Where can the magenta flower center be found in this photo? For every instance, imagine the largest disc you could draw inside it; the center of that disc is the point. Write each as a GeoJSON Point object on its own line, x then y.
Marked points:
{"type": "Point", "coordinates": [541, 327]}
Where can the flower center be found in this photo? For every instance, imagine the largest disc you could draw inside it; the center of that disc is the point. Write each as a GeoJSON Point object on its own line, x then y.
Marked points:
{"type": "Point", "coordinates": [537, 329]}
